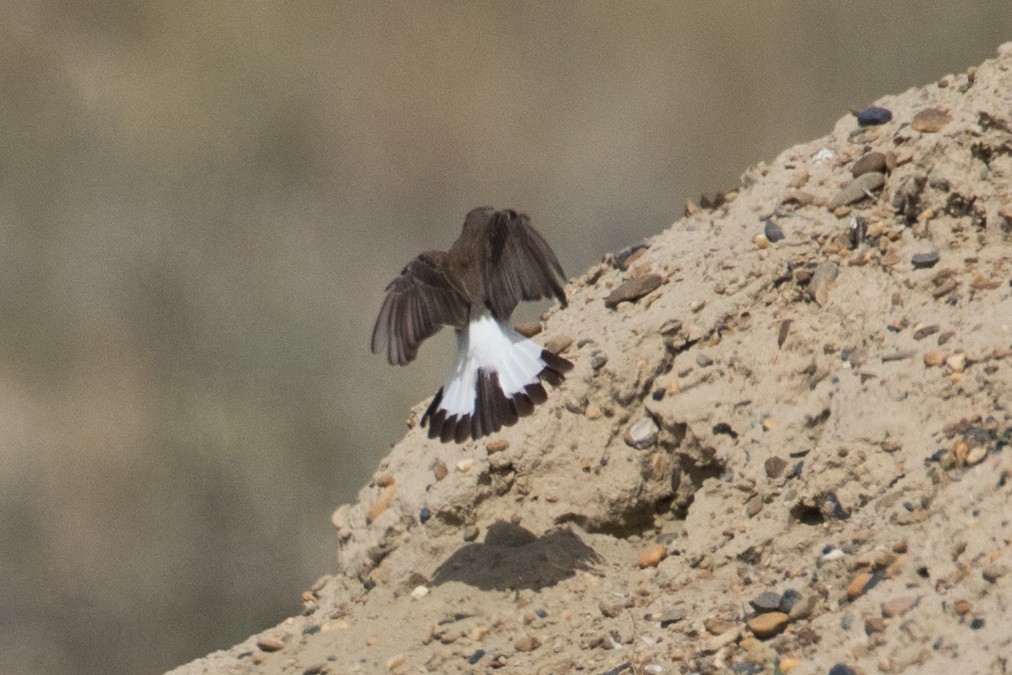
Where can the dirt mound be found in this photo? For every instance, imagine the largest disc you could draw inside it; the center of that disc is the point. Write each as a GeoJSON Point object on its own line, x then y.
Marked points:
{"type": "Point", "coordinates": [784, 444]}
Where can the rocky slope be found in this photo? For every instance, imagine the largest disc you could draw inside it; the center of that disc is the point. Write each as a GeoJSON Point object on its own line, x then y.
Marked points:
{"type": "Point", "coordinates": [784, 444]}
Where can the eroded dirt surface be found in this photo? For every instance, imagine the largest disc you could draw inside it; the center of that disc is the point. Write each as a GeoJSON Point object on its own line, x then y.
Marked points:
{"type": "Point", "coordinates": [818, 424]}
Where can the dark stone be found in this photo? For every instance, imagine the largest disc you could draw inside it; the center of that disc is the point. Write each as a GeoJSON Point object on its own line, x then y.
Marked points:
{"type": "Point", "coordinates": [873, 161]}
{"type": "Point", "coordinates": [772, 231]}
{"type": "Point", "coordinates": [873, 115]}
{"type": "Point", "coordinates": [841, 669]}
{"type": "Point", "coordinates": [922, 261]}
{"type": "Point", "coordinates": [476, 656]}
{"type": "Point", "coordinates": [767, 601]}
{"type": "Point", "coordinates": [789, 598]}
{"type": "Point", "coordinates": [424, 515]}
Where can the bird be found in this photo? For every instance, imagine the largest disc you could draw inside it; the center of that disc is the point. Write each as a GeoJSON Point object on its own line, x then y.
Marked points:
{"type": "Point", "coordinates": [498, 260]}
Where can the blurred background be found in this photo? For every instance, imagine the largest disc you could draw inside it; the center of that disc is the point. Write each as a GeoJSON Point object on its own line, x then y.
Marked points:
{"type": "Point", "coordinates": [200, 206]}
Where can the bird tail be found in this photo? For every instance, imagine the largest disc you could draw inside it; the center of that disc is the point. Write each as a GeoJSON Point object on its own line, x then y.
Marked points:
{"type": "Point", "coordinates": [496, 379]}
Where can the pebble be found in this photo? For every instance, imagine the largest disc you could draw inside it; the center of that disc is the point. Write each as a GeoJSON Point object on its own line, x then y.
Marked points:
{"type": "Point", "coordinates": [598, 360]}
{"type": "Point", "coordinates": [932, 359]}
{"type": "Point", "coordinates": [922, 261]}
{"type": "Point", "coordinates": [703, 361]}
{"type": "Point", "coordinates": [475, 657]}
{"type": "Point", "coordinates": [818, 285]}
{"type": "Point", "coordinates": [718, 642]}
{"type": "Point", "coordinates": [930, 120]}
{"type": "Point", "coordinates": [270, 644]}
{"type": "Point", "coordinates": [465, 465]}
{"type": "Point", "coordinates": [841, 669]}
{"type": "Point", "coordinates": [761, 241]}
{"type": "Point", "coordinates": [527, 644]}
{"type": "Point", "coordinates": [440, 471]}
{"type": "Point", "coordinates": [873, 161]}
{"type": "Point", "coordinates": [768, 624]}
{"type": "Point", "coordinates": [993, 573]}
{"type": "Point", "coordinates": [395, 662]}
{"type": "Point", "coordinates": [899, 606]}
{"type": "Point", "coordinates": [419, 592]}
{"type": "Point", "coordinates": [858, 584]}
{"type": "Point", "coordinates": [774, 466]}
{"type": "Point", "coordinates": [558, 344]}
{"type": "Point", "coordinates": [976, 455]}
{"type": "Point", "coordinates": [642, 434]}
{"type": "Point", "coordinates": [962, 607]}
{"type": "Point", "coordinates": [424, 514]}
{"type": "Point", "coordinates": [873, 115]}
{"type": "Point", "coordinates": [497, 446]}
{"type": "Point", "coordinates": [528, 329]}
{"type": "Point", "coordinates": [857, 189]}
{"type": "Point", "coordinates": [804, 607]}
{"type": "Point", "coordinates": [772, 231]}
{"type": "Point", "coordinates": [316, 668]}
{"type": "Point", "coordinates": [767, 601]}
{"type": "Point", "coordinates": [956, 363]}
{"type": "Point", "coordinates": [381, 504]}
{"type": "Point", "coordinates": [471, 533]}
{"type": "Point", "coordinates": [653, 556]}
{"type": "Point", "coordinates": [633, 290]}
{"type": "Point", "coordinates": [788, 600]}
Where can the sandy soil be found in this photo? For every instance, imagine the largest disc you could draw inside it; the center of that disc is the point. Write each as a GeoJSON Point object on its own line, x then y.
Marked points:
{"type": "Point", "coordinates": [814, 424]}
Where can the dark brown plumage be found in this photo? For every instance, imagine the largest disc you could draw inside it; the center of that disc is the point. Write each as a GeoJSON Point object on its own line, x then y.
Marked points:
{"type": "Point", "coordinates": [498, 260]}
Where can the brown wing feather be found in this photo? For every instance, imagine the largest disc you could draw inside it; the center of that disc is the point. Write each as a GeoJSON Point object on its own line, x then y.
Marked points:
{"type": "Point", "coordinates": [417, 304]}
{"type": "Point", "coordinates": [519, 265]}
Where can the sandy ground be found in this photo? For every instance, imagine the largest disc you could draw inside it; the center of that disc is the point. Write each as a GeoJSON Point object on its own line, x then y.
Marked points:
{"type": "Point", "coordinates": [772, 454]}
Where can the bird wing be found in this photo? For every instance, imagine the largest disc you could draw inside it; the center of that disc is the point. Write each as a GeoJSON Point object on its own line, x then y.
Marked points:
{"type": "Point", "coordinates": [519, 265]}
{"type": "Point", "coordinates": [417, 304]}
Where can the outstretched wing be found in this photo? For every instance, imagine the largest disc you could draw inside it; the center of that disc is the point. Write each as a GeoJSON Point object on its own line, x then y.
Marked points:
{"type": "Point", "coordinates": [519, 264]}
{"type": "Point", "coordinates": [418, 303]}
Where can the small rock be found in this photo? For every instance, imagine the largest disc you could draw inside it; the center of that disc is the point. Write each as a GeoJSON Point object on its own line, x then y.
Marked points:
{"type": "Point", "coordinates": [419, 592]}
{"type": "Point", "coordinates": [767, 601]}
{"type": "Point", "coordinates": [962, 607]}
{"type": "Point", "coordinates": [642, 434]}
{"type": "Point", "coordinates": [671, 616]}
{"type": "Point", "coordinates": [899, 606]}
{"type": "Point", "coordinates": [558, 344]}
{"type": "Point", "coordinates": [497, 446]}
{"type": "Point", "coordinates": [922, 261]}
{"type": "Point", "coordinates": [774, 466]}
{"type": "Point", "coordinates": [956, 363]}
{"type": "Point", "coordinates": [316, 668]}
{"type": "Point", "coordinates": [464, 465]}
{"type": "Point", "coordinates": [476, 656]}
{"type": "Point", "coordinates": [768, 624]}
{"type": "Point", "coordinates": [930, 120]}
{"type": "Point", "coordinates": [841, 669]}
{"type": "Point", "coordinates": [976, 455]}
{"type": "Point", "coordinates": [529, 329]}
{"type": "Point", "coordinates": [818, 286]}
{"type": "Point", "coordinates": [633, 290]}
{"type": "Point", "coordinates": [703, 361]}
{"type": "Point", "coordinates": [857, 585]}
{"type": "Point", "coordinates": [932, 359]}
{"type": "Point", "coordinates": [857, 189]}
{"type": "Point", "coordinates": [761, 241]}
{"type": "Point", "coordinates": [718, 642]}
{"type": "Point", "coordinates": [716, 625]}
{"type": "Point", "coordinates": [527, 643]}
{"type": "Point", "coordinates": [270, 644]}
{"type": "Point", "coordinates": [874, 624]}
{"type": "Point", "coordinates": [611, 611]}
{"type": "Point", "coordinates": [696, 305]}
{"type": "Point", "coordinates": [395, 662]}
{"type": "Point", "coordinates": [993, 573]}
{"type": "Point", "coordinates": [873, 115]}
{"type": "Point", "coordinates": [772, 231]}
{"type": "Point", "coordinates": [598, 360]}
{"type": "Point", "coordinates": [440, 471]}
{"type": "Point", "coordinates": [873, 161]}
{"type": "Point", "coordinates": [381, 504]}
{"type": "Point", "coordinates": [592, 412]}
{"type": "Point", "coordinates": [471, 533]}
{"type": "Point", "coordinates": [788, 600]}
{"type": "Point", "coordinates": [424, 514]}
{"type": "Point", "coordinates": [804, 607]}
{"type": "Point", "coordinates": [652, 557]}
